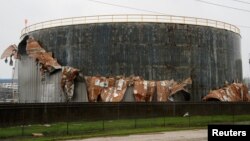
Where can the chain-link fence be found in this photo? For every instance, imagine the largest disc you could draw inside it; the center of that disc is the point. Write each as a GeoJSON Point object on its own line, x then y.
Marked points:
{"type": "Point", "coordinates": [74, 118]}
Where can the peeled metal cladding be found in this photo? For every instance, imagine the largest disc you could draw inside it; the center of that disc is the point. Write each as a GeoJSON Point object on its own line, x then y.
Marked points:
{"type": "Point", "coordinates": [10, 52]}
{"type": "Point", "coordinates": [169, 90]}
{"type": "Point", "coordinates": [106, 89]}
{"type": "Point", "coordinates": [44, 59]}
{"type": "Point", "coordinates": [163, 90]}
{"type": "Point", "coordinates": [67, 82]}
{"type": "Point", "coordinates": [179, 91]}
{"type": "Point", "coordinates": [116, 92]}
{"type": "Point", "coordinates": [234, 92]}
{"type": "Point", "coordinates": [113, 89]}
{"type": "Point", "coordinates": [95, 85]}
{"type": "Point", "coordinates": [48, 63]}
{"type": "Point", "coordinates": [144, 90]}
{"type": "Point", "coordinates": [33, 47]}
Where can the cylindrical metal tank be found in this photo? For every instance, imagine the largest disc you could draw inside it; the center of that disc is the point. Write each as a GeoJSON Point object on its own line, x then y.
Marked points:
{"type": "Point", "coordinates": [154, 49]}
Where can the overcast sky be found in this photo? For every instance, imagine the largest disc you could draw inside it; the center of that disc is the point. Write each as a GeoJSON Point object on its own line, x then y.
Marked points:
{"type": "Point", "coordinates": [14, 12]}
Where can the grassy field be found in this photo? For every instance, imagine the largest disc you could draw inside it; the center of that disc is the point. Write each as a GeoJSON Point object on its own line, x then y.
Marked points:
{"type": "Point", "coordinates": [86, 129]}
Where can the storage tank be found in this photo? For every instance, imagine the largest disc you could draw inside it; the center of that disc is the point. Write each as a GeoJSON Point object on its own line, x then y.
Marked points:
{"type": "Point", "coordinates": [154, 47]}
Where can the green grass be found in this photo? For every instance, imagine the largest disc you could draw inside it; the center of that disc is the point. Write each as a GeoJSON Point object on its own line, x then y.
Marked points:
{"type": "Point", "coordinates": [86, 129]}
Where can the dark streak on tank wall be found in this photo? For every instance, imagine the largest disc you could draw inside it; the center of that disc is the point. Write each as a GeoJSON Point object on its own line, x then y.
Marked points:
{"type": "Point", "coordinates": [155, 51]}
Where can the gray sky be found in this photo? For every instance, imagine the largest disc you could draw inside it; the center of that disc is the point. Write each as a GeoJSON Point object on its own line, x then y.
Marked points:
{"type": "Point", "coordinates": [13, 13]}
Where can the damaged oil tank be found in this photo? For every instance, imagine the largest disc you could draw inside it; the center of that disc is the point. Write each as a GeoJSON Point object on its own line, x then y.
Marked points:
{"type": "Point", "coordinates": [153, 47]}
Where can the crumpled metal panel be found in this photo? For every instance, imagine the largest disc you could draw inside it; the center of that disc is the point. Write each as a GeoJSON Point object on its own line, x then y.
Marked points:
{"type": "Point", "coordinates": [106, 89]}
{"type": "Point", "coordinates": [47, 62]}
{"type": "Point", "coordinates": [180, 88]}
{"type": "Point", "coordinates": [167, 89]}
{"type": "Point", "coordinates": [144, 90]}
{"type": "Point", "coordinates": [95, 85]}
{"type": "Point", "coordinates": [67, 82]}
{"type": "Point", "coordinates": [45, 59]}
{"type": "Point", "coordinates": [33, 47]}
{"type": "Point", "coordinates": [230, 93]}
{"type": "Point", "coordinates": [163, 90]}
{"type": "Point", "coordinates": [115, 93]}
{"type": "Point", "coordinates": [9, 52]}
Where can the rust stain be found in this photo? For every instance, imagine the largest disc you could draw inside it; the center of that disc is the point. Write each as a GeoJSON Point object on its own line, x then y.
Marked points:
{"type": "Point", "coordinates": [44, 59]}
{"type": "Point", "coordinates": [47, 62]}
{"type": "Point", "coordinates": [167, 89]}
{"type": "Point", "coordinates": [95, 85]}
{"type": "Point", "coordinates": [33, 47]}
{"type": "Point", "coordinates": [115, 93]}
{"type": "Point", "coordinates": [181, 87]}
{"type": "Point", "coordinates": [106, 89]}
{"type": "Point", "coordinates": [112, 89]}
{"type": "Point", "coordinates": [234, 92]}
{"type": "Point", "coordinates": [67, 81]}
{"type": "Point", "coordinates": [144, 90]}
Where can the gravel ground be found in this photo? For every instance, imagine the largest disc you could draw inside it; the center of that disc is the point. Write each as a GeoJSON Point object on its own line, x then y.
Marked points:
{"type": "Point", "coordinates": [187, 135]}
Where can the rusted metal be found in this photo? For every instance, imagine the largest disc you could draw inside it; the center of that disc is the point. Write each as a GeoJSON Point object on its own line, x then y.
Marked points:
{"type": "Point", "coordinates": [144, 90]}
{"type": "Point", "coordinates": [33, 47]}
{"type": "Point", "coordinates": [106, 89]}
{"type": "Point", "coordinates": [163, 90]}
{"type": "Point", "coordinates": [95, 85]}
{"type": "Point", "coordinates": [47, 62]}
{"type": "Point", "coordinates": [44, 59]}
{"type": "Point", "coordinates": [115, 93]}
{"type": "Point", "coordinates": [179, 92]}
{"type": "Point", "coordinates": [234, 92]}
{"type": "Point", "coordinates": [167, 90]}
{"type": "Point", "coordinates": [10, 52]}
{"type": "Point", "coordinates": [67, 82]}
{"type": "Point", "coordinates": [112, 89]}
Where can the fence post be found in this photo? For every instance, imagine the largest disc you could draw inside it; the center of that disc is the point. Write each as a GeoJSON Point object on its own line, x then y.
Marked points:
{"type": "Point", "coordinates": [189, 121]}
{"type": "Point", "coordinates": [118, 110]}
{"type": "Point", "coordinates": [67, 117]}
{"type": "Point", "coordinates": [45, 114]}
{"type": "Point", "coordinates": [103, 126]}
{"type": "Point", "coordinates": [174, 110]}
{"type": "Point", "coordinates": [164, 118]}
{"type": "Point", "coordinates": [233, 113]}
{"type": "Point", "coordinates": [22, 129]}
{"type": "Point", "coordinates": [103, 117]}
{"type": "Point", "coordinates": [135, 114]}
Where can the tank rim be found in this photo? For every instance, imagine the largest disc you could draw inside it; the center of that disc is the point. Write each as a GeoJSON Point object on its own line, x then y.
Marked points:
{"type": "Point", "coordinates": [129, 18]}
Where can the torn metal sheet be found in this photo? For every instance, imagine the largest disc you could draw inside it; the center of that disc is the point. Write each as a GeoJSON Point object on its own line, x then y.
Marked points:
{"type": "Point", "coordinates": [33, 47]}
{"type": "Point", "coordinates": [234, 92]}
{"type": "Point", "coordinates": [67, 82]}
{"type": "Point", "coordinates": [95, 85]}
{"type": "Point", "coordinates": [169, 90]}
{"type": "Point", "coordinates": [10, 52]}
{"type": "Point", "coordinates": [106, 89]}
{"type": "Point", "coordinates": [44, 59]}
{"type": "Point", "coordinates": [179, 92]}
{"type": "Point", "coordinates": [144, 90]}
{"type": "Point", "coordinates": [47, 62]}
{"type": "Point", "coordinates": [115, 93]}
{"type": "Point", "coordinates": [163, 90]}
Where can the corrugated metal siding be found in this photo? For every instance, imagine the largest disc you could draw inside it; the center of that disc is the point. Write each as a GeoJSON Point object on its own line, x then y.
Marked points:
{"type": "Point", "coordinates": [129, 95]}
{"type": "Point", "coordinates": [33, 89]}
{"type": "Point", "coordinates": [155, 51]}
{"type": "Point", "coordinates": [27, 72]}
{"type": "Point", "coordinates": [80, 92]}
